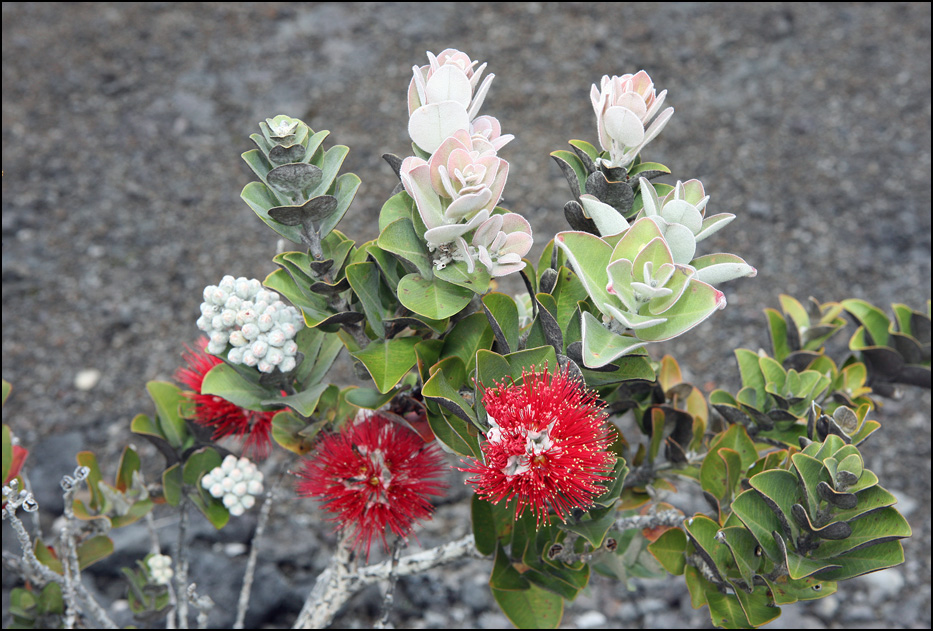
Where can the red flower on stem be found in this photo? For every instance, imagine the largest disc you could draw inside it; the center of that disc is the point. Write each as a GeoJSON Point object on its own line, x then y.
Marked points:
{"type": "Point", "coordinates": [224, 417]}
{"type": "Point", "coordinates": [372, 475]}
{"type": "Point", "coordinates": [547, 448]}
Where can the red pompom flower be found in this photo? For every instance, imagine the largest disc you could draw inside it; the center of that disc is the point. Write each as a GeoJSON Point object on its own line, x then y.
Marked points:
{"type": "Point", "coordinates": [547, 447]}
{"type": "Point", "coordinates": [215, 412]}
{"type": "Point", "coordinates": [373, 474]}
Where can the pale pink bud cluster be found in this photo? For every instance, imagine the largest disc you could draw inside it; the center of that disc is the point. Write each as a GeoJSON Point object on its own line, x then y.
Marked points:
{"type": "Point", "coordinates": [625, 107]}
{"type": "Point", "coordinates": [456, 190]}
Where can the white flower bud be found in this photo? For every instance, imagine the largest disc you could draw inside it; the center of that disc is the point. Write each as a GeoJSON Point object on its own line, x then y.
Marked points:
{"type": "Point", "coordinates": [238, 339]}
{"type": "Point", "coordinates": [219, 296]}
{"type": "Point", "coordinates": [288, 364]}
{"type": "Point", "coordinates": [239, 489]}
{"type": "Point", "coordinates": [265, 322]}
{"type": "Point", "coordinates": [250, 331]}
{"type": "Point", "coordinates": [259, 348]}
{"type": "Point", "coordinates": [217, 490]}
{"type": "Point", "coordinates": [230, 501]}
{"type": "Point", "coordinates": [242, 288]}
{"type": "Point", "coordinates": [229, 464]}
{"type": "Point", "coordinates": [247, 501]}
{"type": "Point", "coordinates": [228, 317]}
{"type": "Point", "coordinates": [204, 323]}
{"type": "Point", "coordinates": [290, 347]}
{"type": "Point", "coordinates": [227, 283]}
{"type": "Point", "coordinates": [217, 323]}
{"type": "Point", "coordinates": [276, 337]}
{"type": "Point", "coordinates": [249, 359]}
{"type": "Point", "coordinates": [216, 349]}
{"type": "Point", "coordinates": [237, 509]}
{"type": "Point", "coordinates": [254, 487]}
{"type": "Point", "coordinates": [275, 356]}
{"type": "Point", "coordinates": [233, 302]}
{"type": "Point", "coordinates": [235, 356]}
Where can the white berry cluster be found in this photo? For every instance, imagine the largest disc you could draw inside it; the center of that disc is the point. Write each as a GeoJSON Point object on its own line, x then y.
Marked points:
{"type": "Point", "coordinates": [160, 569]}
{"type": "Point", "coordinates": [260, 327]}
{"type": "Point", "coordinates": [238, 482]}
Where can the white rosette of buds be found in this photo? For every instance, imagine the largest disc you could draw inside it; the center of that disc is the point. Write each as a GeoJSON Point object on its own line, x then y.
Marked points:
{"type": "Point", "coordinates": [258, 325]}
{"type": "Point", "coordinates": [160, 569]}
{"type": "Point", "coordinates": [236, 482]}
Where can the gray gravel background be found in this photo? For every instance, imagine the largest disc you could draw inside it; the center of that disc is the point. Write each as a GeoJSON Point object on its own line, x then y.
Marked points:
{"type": "Point", "coordinates": [122, 129]}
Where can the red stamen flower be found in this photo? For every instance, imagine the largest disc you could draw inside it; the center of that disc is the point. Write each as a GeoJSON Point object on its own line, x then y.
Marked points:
{"type": "Point", "coordinates": [216, 412]}
{"type": "Point", "coordinates": [547, 448]}
{"type": "Point", "coordinates": [374, 473]}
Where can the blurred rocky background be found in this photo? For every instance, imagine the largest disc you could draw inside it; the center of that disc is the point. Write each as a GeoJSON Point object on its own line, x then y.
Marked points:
{"type": "Point", "coordinates": [122, 129]}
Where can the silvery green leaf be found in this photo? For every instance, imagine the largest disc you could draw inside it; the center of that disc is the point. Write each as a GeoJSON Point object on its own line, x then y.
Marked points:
{"type": "Point", "coordinates": [719, 268]}
{"type": "Point", "coordinates": [607, 219]}
{"type": "Point", "coordinates": [714, 224]}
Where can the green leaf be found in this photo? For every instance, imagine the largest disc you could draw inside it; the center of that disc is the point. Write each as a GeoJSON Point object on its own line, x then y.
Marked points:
{"type": "Point", "coordinates": [7, 451]}
{"type": "Point", "coordinates": [468, 336]}
{"type": "Point", "coordinates": [760, 520]}
{"type": "Point", "coordinates": [93, 550]}
{"type": "Point", "coordinates": [6, 391]}
{"type": "Point", "coordinates": [303, 402]}
{"type": "Point", "coordinates": [530, 608]}
{"type": "Point", "coordinates": [439, 390]}
{"type": "Point", "coordinates": [669, 550]}
{"type": "Point", "coordinates": [811, 472]}
{"type": "Point", "coordinates": [785, 591]}
{"type": "Point", "coordinates": [129, 464]}
{"type": "Point", "coordinates": [368, 398]}
{"type": "Point", "coordinates": [503, 318]}
{"type": "Point", "coordinates": [743, 545]}
{"type": "Point", "coordinates": [779, 489]}
{"type": "Point", "coordinates": [589, 256]}
{"type": "Point", "coordinates": [171, 484]}
{"type": "Point", "coordinates": [874, 320]}
{"type": "Point", "coordinates": [456, 273]}
{"type": "Point", "coordinates": [289, 432]}
{"type": "Point", "coordinates": [400, 239]}
{"type": "Point", "coordinates": [725, 609]}
{"type": "Point", "coordinates": [484, 525]}
{"type": "Point", "coordinates": [703, 532]}
{"type": "Point", "coordinates": [224, 381]}
{"type": "Point", "coordinates": [801, 567]}
{"type": "Point", "coordinates": [94, 478]}
{"type": "Point", "coordinates": [572, 167]}
{"type": "Point", "coordinates": [435, 299]}
{"type": "Point", "coordinates": [865, 560]}
{"type": "Point", "coordinates": [885, 524]}
{"type": "Point", "coordinates": [347, 186]}
{"type": "Point", "coordinates": [757, 606]}
{"type": "Point", "coordinates": [168, 398]}
{"type": "Point", "coordinates": [260, 198]}
{"type": "Point", "coordinates": [593, 529]}
{"type": "Point", "coordinates": [320, 355]}
{"type": "Point", "coordinates": [399, 206]}
{"type": "Point", "coordinates": [601, 346]}
{"type": "Point", "coordinates": [736, 438]}
{"type": "Point", "coordinates": [199, 463]}
{"type": "Point", "coordinates": [388, 360]}
{"type": "Point", "coordinates": [366, 282]}
{"type": "Point", "coordinates": [460, 436]}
